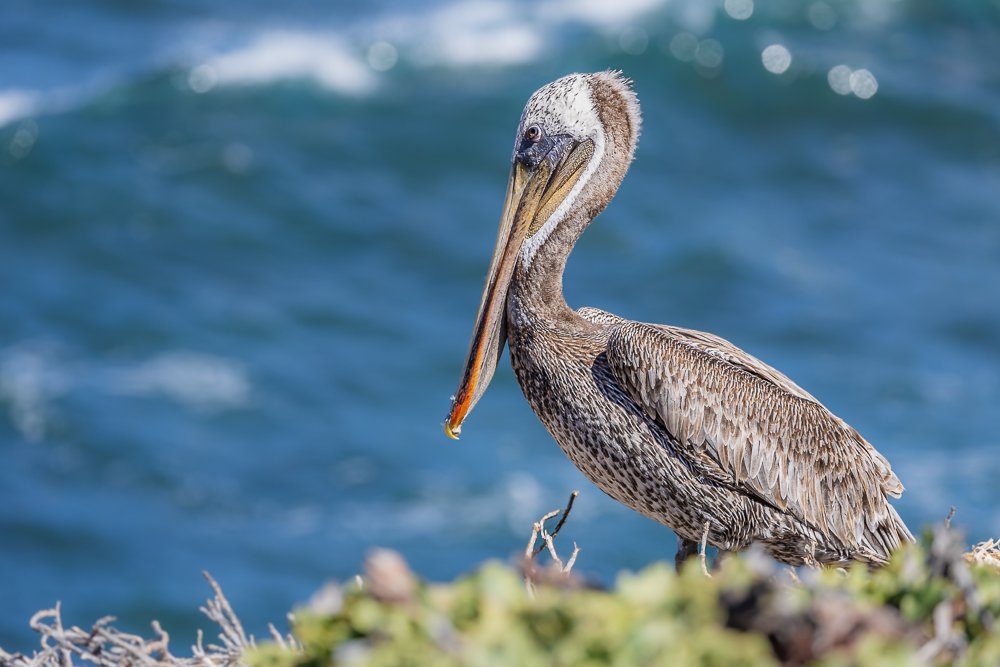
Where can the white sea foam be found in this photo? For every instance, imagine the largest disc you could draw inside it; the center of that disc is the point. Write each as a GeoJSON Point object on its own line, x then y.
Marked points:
{"type": "Point", "coordinates": [598, 13]}
{"type": "Point", "coordinates": [326, 59]}
{"type": "Point", "coordinates": [16, 104]}
{"type": "Point", "coordinates": [465, 33]}
{"type": "Point", "coordinates": [199, 381]}
{"type": "Point", "coordinates": [30, 380]}
{"type": "Point", "coordinates": [500, 45]}
{"type": "Point", "coordinates": [499, 33]}
{"type": "Point", "coordinates": [351, 59]}
{"type": "Point", "coordinates": [36, 375]}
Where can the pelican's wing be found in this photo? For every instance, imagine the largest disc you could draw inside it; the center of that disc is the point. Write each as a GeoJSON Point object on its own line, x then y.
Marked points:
{"type": "Point", "coordinates": [738, 421]}
{"type": "Point", "coordinates": [598, 316]}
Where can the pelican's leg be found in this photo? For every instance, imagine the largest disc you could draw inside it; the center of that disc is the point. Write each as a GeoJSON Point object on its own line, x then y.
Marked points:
{"type": "Point", "coordinates": [703, 549]}
{"type": "Point", "coordinates": [685, 549]}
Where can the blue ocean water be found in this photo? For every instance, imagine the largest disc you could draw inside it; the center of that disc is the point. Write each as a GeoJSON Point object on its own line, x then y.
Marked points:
{"type": "Point", "coordinates": [241, 246]}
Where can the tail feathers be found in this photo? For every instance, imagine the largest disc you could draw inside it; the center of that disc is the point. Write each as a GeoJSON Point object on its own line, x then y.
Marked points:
{"type": "Point", "coordinates": [881, 540]}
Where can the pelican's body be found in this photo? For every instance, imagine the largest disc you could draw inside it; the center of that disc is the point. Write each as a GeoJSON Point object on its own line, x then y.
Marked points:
{"type": "Point", "coordinates": [679, 425]}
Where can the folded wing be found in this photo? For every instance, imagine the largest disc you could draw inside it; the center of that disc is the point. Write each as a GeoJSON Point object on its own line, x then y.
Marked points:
{"type": "Point", "coordinates": [740, 422]}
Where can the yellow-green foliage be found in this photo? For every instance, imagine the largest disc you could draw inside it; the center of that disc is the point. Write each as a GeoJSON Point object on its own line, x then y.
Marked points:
{"type": "Point", "coordinates": [924, 606]}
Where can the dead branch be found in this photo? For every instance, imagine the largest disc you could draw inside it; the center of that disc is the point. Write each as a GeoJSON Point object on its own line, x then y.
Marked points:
{"type": "Point", "coordinates": [562, 519]}
{"type": "Point", "coordinates": [105, 646]}
{"type": "Point", "coordinates": [985, 553]}
{"type": "Point", "coordinates": [558, 572]}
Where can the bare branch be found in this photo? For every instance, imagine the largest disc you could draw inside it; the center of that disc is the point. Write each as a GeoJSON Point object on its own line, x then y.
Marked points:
{"type": "Point", "coordinates": [569, 508]}
{"type": "Point", "coordinates": [105, 646]}
{"type": "Point", "coordinates": [221, 612]}
{"type": "Point", "coordinates": [572, 559]}
{"type": "Point", "coordinates": [558, 572]}
{"type": "Point", "coordinates": [562, 519]}
{"type": "Point", "coordinates": [529, 551]}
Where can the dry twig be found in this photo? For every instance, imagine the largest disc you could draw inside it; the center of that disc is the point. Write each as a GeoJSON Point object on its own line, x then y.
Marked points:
{"type": "Point", "coordinates": [538, 530]}
{"type": "Point", "coordinates": [106, 646]}
{"type": "Point", "coordinates": [985, 553]}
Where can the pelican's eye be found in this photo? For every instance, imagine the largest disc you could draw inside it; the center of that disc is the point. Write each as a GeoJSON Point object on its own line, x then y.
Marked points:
{"type": "Point", "coordinates": [533, 134]}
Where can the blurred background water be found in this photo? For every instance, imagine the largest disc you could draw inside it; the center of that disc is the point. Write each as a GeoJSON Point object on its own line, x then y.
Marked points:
{"type": "Point", "coordinates": [241, 246]}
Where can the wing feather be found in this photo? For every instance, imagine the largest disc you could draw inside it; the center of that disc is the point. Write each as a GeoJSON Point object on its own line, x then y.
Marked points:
{"type": "Point", "coordinates": [755, 427]}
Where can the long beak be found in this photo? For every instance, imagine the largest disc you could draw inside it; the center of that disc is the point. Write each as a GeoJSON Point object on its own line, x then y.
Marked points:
{"type": "Point", "coordinates": [531, 199]}
{"type": "Point", "coordinates": [490, 331]}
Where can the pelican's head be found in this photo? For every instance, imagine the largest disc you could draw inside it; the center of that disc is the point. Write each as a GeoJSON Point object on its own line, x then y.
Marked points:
{"type": "Point", "coordinates": [575, 140]}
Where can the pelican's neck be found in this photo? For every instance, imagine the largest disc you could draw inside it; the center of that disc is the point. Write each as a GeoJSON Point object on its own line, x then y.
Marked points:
{"type": "Point", "coordinates": [536, 290]}
{"type": "Point", "coordinates": [537, 286]}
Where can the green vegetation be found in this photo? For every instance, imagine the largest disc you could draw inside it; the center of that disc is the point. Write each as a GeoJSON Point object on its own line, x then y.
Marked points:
{"type": "Point", "coordinates": [929, 606]}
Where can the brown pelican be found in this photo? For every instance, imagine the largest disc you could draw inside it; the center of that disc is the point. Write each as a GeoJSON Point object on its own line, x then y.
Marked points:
{"type": "Point", "coordinates": [680, 425]}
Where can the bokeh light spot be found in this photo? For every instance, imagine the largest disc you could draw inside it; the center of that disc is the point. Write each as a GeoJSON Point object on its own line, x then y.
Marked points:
{"type": "Point", "coordinates": [839, 78]}
{"type": "Point", "coordinates": [683, 46]}
{"type": "Point", "coordinates": [709, 53]}
{"type": "Point", "coordinates": [23, 140]}
{"type": "Point", "coordinates": [382, 56]}
{"type": "Point", "coordinates": [822, 16]}
{"type": "Point", "coordinates": [740, 10]}
{"type": "Point", "coordinates": [203, 78]}
{"type": "Point", "coordinates": [776, 59]}
{"type": "Point", "coordinates": [633, 41]}
{"type": "Point", "coordinates": [863, 84]}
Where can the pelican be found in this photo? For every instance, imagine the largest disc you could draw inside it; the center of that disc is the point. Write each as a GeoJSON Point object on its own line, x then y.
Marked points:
{"type": "Point", "coordinates": [679, 425]}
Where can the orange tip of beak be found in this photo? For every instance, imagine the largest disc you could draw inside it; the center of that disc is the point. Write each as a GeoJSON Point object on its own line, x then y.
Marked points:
{"type": "Point", "coordinates": [452, 433]}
